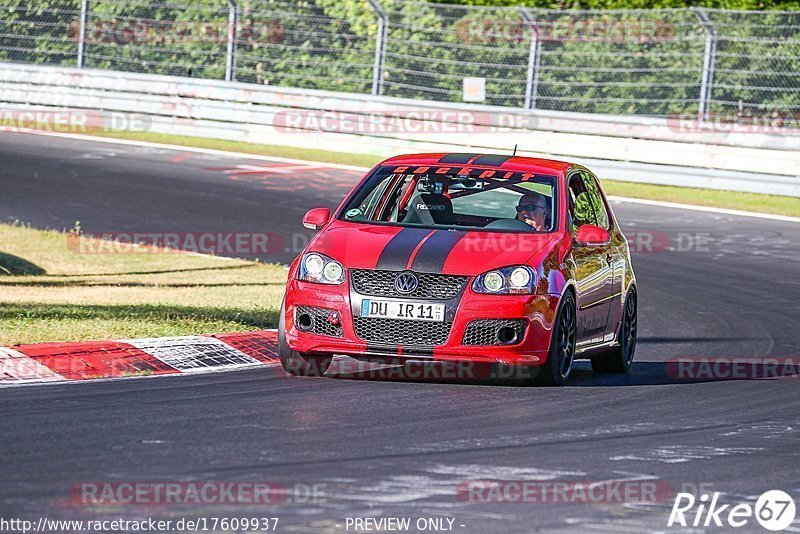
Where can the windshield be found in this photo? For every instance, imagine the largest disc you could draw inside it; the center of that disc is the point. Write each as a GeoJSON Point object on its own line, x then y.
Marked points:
{"type": "Point", "coordinates": [473, 199]}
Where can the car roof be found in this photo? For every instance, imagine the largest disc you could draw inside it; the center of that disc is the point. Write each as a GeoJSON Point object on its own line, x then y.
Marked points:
{"type": "Point", "coordinates": [494, 161]}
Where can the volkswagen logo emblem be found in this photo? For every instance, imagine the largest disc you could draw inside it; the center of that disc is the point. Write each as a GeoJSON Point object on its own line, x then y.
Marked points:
{"type": "Point", "coordinates": [406, 283]}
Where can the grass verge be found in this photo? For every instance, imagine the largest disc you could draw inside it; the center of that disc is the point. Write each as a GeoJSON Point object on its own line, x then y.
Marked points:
{"type": "Point", "coordinates": [50, 293]}
{"type": "Point", "coordinates": [778, 205]}
{"type": "Point", "coordinates": [774, 204]}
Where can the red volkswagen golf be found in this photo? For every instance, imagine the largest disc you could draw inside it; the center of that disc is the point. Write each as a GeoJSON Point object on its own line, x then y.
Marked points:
{"type": "Point", "coordinates": [501, 260]}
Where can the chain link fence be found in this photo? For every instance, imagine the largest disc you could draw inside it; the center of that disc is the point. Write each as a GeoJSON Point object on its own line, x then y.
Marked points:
{"type": "Point", "coordinates": [642, 62]}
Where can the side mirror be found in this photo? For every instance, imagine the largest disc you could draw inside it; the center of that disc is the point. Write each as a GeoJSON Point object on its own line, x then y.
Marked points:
{"type": "Point", "coordinates": [316, 218]}
{"type": "Point", "coordinates": [590, 235]}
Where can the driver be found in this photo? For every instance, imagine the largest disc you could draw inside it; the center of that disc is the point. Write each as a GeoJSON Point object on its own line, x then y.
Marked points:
{"type": "Point", "coordinates": [533, 209]}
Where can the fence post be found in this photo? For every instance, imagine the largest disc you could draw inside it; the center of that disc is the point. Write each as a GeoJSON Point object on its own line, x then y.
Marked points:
{"type": "Point", "coordinates": [230, 56]}
{"type": "Point", "coordinates": [534, 57]}
{"type": "Point", "coordinates": [709, 59]}
{"type": "Point", "coordinates": [380, 47]}
{"type": "Point", "coordinates": [82, 33]}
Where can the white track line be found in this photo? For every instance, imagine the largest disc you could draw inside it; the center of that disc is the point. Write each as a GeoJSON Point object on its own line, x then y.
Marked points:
{"type": "Point", "coordinates": [722, 211]}
{"type": "Point", "coordinates": [197, 150]}
{"type": "Point", "coordinates": [675, 205]}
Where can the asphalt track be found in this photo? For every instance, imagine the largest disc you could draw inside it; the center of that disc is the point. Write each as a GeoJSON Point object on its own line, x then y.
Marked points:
{"type": "Point", "coordinates": [401, 448]}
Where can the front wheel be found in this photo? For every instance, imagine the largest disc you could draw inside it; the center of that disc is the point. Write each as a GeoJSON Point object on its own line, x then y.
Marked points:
{"type": "Point", "coordinates": [620, 359]}
{"type": "Point", "coordinates": [298, 363]}
{"type": "Point", "coordinates": [557, 368]}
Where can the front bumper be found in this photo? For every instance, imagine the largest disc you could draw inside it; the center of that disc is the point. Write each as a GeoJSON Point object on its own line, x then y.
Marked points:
{"type": "Point", "coordinates": [538, 312]}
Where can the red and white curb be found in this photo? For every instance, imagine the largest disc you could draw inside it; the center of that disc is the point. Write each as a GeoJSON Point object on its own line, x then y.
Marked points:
{"type": "Point", "coordinates": [57, 362]}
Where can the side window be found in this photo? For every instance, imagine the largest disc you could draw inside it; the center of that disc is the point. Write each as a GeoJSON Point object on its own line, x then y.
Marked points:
{"type": "Point", "coordinates": [381, 202]}
{"type": "Point", "coordinates": [392, 210]}
{"type": "Point", "coordinates": [603, 220]}
{"type": "Point", "coordinates": [580, 203]}
{"type": "Point", "coordinates": [369, 204]}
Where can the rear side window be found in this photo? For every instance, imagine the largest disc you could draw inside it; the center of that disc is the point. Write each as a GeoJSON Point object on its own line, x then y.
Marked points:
{"type": "Point", "coordinates": [580, 203]}
{"type": "Point", "coordinates": [601, 213]}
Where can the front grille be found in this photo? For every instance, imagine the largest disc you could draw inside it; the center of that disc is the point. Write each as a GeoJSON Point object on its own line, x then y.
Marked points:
{"type": "Point", "coordinates": [484, 331]}
{"type": "Point", "coordinates": [431, 286]}
{"type": "Point", "coordinates": [319, 321]}
{"type": "Point", "coordinates": [398, 331]}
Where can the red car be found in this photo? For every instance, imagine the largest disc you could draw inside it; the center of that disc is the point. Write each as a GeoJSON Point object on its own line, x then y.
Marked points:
{"type": "Point", "coordinates": [511, 261]}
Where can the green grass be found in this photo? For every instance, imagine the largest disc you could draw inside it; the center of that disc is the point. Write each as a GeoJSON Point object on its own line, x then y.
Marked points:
{"type": "Point", "coordinates": [774, 204]}
{"type": "Point", "coordinates": [55, 294]}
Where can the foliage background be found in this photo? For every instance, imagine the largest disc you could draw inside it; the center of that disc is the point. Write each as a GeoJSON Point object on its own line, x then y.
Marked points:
{"type": "Point", "coordinates": [329, 44]}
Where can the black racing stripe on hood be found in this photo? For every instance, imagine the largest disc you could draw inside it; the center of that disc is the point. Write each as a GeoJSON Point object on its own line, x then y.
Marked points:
{"type": "Point", "coordinates": [398, 250]}
{"type": "Point", "coordinates": [434, 252]}
{"type": "Point", "coordinates": [457, 157]}
{"type": "Point", "coordinates": [491, 160]}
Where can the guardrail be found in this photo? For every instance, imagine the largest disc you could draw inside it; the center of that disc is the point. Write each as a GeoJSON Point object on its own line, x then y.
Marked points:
{"type": "Point", "coordinates": [649, 150]}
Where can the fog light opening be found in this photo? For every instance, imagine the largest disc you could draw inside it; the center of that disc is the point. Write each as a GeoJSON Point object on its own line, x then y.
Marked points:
{"type": "Point", "coordinates": [304, 321]}
{"type": "Point", "coordinates": [507, 335]}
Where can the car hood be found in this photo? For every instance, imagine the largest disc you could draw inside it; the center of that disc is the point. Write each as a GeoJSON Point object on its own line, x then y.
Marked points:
{"type": "Point", "coordinates": [370, 246]}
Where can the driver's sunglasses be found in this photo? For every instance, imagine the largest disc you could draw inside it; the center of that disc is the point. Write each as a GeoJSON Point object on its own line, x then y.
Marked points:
{"type": "Point", "coordinates": [530, 207]}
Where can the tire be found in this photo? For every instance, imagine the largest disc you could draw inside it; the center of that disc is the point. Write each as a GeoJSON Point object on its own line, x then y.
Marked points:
{"type": "Point", "coordinates": [298, 363]}
{"type": "Point", "coordinates": [557, 368]}
{"type": "Point", "coordinates": [620, 359]}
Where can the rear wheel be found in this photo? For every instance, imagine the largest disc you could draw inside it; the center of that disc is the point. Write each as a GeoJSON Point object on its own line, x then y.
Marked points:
{"type": "Point", "coordinates": [620, 359]}
{"type": "Point", "coordinates": [298, 363]}
{"type": "Point", "coordinates": [557, 368]}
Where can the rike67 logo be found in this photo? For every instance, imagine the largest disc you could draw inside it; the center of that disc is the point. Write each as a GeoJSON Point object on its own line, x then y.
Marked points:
{"type": "Point", "coordinates": [774, 510]}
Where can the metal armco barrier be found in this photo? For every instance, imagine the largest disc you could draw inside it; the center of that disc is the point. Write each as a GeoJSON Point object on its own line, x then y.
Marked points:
{"type": "Point", "coordinates": [639, 149]}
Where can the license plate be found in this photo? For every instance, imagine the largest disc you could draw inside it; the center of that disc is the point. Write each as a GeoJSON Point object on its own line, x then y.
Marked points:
{"type": "Point", "coordinates": [410, 311]}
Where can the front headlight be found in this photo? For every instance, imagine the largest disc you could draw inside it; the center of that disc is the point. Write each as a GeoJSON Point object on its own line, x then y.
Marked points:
{"type": "Point", "coordinates": [493, 281]}
{"type": "Point", "coordinates": [517, 279]}
{"type": "Point", "coordinates": [318, 268]}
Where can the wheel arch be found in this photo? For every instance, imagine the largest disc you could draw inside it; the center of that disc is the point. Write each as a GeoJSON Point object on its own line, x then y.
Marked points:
{"type": "Point", "coordinates": [632, 286]}
{"type": "Point", "coordinates": [570, 287]}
